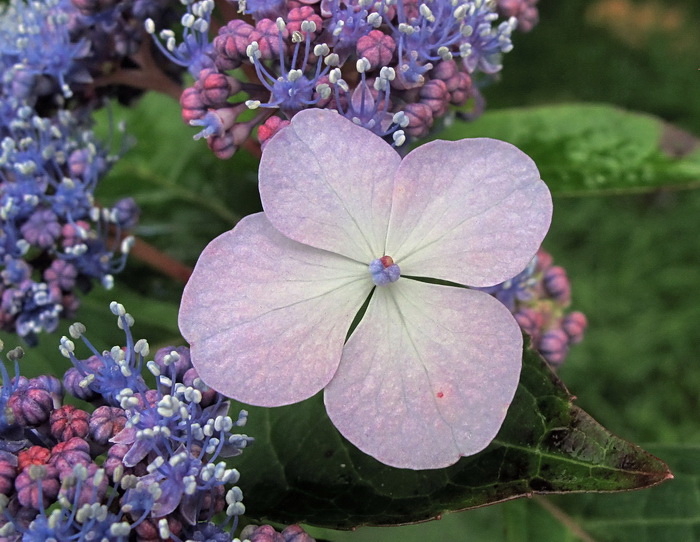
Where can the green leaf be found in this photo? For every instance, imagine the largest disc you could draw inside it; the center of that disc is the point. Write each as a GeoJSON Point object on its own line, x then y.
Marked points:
{"type": "Point", "coordinates": [668, 513]}
{"type": "Point", "coordinates": [186, 194]}
{"type": "Point", "coordinates": [301, 470]}
{"type": "Point", "coordinates": [583, 149]}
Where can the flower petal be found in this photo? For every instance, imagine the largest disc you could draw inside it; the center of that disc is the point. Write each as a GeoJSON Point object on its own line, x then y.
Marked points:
{"type": "Point", "coordinates": [327, 183]}
{"type": "Point", "coordinates": [427, 376]}
{"type": "Point", "coordinates": [266, 317]}
{"type": "Point", "coordinates": [472, 211]}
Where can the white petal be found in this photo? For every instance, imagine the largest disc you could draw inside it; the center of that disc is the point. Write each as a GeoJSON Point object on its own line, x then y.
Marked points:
{"type": "Point", "coordinates": [472, 211]}
{"type": "Point", "coordinates": [266, 317]}
{"type": "Point", "coordinates": [327, 183]}
{"type": "Point", "coordinates": [427, 376]}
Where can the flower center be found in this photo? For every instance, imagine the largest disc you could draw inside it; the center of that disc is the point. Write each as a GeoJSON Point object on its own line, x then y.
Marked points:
{"type": "Point", "coordinates": [384, 271]}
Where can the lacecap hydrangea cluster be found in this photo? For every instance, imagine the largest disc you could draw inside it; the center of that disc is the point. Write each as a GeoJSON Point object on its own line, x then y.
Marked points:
{"type": "Point", "coordinates": [394, 67]}
{"type": "Point", "coordinates": [54, 237]}
{"type": "Point", "coordinates": [133, 462]}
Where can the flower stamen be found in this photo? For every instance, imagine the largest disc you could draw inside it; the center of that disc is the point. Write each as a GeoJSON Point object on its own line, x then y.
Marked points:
{"type": "Point", "coordinates": [384, 271]}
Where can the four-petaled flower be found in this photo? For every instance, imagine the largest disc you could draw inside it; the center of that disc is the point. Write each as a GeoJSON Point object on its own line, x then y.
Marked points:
{"type": "Point", "coordinates": [430, 370]}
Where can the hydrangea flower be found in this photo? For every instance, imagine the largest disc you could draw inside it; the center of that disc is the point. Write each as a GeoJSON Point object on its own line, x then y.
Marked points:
{"type": "Point", "coordinates": [371, 61]}
{"type": "Point", "coordinates": [430, 370]}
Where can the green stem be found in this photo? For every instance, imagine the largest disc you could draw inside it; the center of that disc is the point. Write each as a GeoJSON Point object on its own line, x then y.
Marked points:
{"type": "Point", "coordinates": [565, 519]}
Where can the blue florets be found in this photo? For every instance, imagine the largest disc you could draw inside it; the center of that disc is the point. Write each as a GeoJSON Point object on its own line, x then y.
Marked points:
{"type": "Point", "coordinates": [164, 446]}
{"type": "Point", "coordinates": [53, 236]}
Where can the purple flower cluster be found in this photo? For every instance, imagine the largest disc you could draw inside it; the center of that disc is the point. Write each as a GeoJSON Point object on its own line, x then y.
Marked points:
{"type": "Point", "coordinates": [391, 66]}
{"type": "Point", "coordinates": [133, 463]}
{"type": "Point", "coordinates": [59, 54]}
{"type": "Point", "coordinates": [54, 238]}
{"type": "Point", "coordinates": [539, 297]}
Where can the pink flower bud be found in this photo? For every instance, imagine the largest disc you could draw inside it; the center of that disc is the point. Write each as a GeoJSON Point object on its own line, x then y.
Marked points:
{"type": "Point", "coordinates": [420, 119]}
{"type": "Point", "coordinates": [65, 455]}
{"type": "Point", "coordinates": [530, 321]}
{"type": "Point", "coordinates": [105, 422]}
{"type": "Point", "coordinates": [294, 533]}
{"type": "Point", "coordinates": [544, 260]}
{"type": "Point", "coordinates": [231, 44]}
{"type": "Point", "coordinates": [36, 455]}
{"type": "Point", "coordinates": [262, 533]}
{"type": "Point", "coordinates": [377, 47]}
{"type": "Point", "coordinates": [179, 363]}
{"type": "Point", "coordinates": [435, 95]}
{"type": "Point", "coordinates": [557, 284]}
{"type": "Point", "coordinates": [68, 422]}
{"type": "Point", "coordinates": [222, 146]}
{"type": "Point", "coordinates": [192, 104]}
{"type": "Point", "coordinates": [575, 324]}
{"type": "Point", "coordinates": [554, 345]}
{"type": "Point", "coordinates": [462, 89]}
{"type": "Point", "coordinates": [299, 15]}
{"type": "Point", "coordinates": [267, 35]}
{"type": "Point", "coordinates": [148, 531]}
{"type": "Point", "coordinates": [27, 486]}
{"type": "Point", "coordinates": [445, 70]}
{"type": "Point", "coordinates": [31, 407]}
{"type": "Point", "coordinates": [208, 394]}
{"type": "Point", "coordinates": [115, 456]}
{"type": "Point", "coordinates": [269, 128]}
{"type": "Point", "coordinates": [71, 381]}
{"type": "Point", "coordinates": [89, 491]}
{"type": "Point", "coordinates": [217, 88]}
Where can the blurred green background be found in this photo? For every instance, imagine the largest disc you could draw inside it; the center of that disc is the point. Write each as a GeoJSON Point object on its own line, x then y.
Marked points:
{"type": "Point", "coordinates": [634, 263]}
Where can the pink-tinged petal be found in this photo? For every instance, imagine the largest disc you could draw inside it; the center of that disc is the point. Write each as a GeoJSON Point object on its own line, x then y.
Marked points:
{"type": "Point", "coordinates": [427, 376]}
{"type": "Point", "coordinates": [266, 317]}
{"type": "Point", "coordinates": [473, 211]}
{"type": "Point", "coordinates": [327, 183]}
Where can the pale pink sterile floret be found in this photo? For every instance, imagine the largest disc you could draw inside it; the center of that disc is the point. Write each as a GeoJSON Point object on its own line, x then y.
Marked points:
{"type": "Point", "coordinates": [428, 374]}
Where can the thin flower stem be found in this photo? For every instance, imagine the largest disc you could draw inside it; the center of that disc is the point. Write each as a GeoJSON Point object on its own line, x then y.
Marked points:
{"type": "Point", "coordinates": [143, 80]}
{"type": "Point", "coordinates": [160, 261]}
{"type": "Point", "coordinates": [149, 75]}
{"type": "Point", "coordinates": [565, 519]}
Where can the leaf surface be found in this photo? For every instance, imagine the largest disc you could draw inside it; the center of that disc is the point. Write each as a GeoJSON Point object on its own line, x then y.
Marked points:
{"type": "Point", "coordinates": [583, 149]}
{"type": "Point", "coordinates": [301, 470]}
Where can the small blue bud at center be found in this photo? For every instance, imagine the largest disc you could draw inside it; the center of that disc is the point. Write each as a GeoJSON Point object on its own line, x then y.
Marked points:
{"type": "Point", "coordinates": [384, 271]}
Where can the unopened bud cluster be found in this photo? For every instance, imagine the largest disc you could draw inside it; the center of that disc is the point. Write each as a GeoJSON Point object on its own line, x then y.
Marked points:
{"type": "Point", "coordinates": [539, 298]}
{"type": "Point", "coordinates": [132, 463]}
{"type": "Point", "coordinates": [394, 67]}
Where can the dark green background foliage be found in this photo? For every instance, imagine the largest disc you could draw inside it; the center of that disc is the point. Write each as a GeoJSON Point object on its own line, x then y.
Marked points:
{"type": "Point", "coordinates": [633, 259]}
